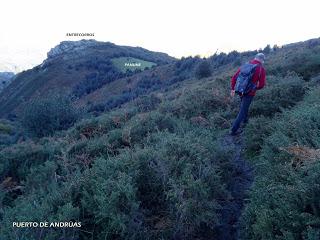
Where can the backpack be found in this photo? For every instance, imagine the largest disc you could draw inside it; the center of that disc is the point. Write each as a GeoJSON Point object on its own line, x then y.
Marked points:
{"type": "Point", "coordinates": [243, 83]}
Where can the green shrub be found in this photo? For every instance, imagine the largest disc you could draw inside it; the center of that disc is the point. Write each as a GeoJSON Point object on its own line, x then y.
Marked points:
{"type": "Point", "coordinates": [155, 191]}
{"type": "Point", "coordinates": [5, 129]}
{"type": "Point", "coordinates": [200, 101]}
{"type": "Point", "coordinates": [98, 126]}
{"type": "Point", "coordinates": [43, 116]}
{"type": "Point", "coordinates": [9, 133]}
{"type": "Point", "coordinates": [257, 130]}
{"type": "Point", "coordinates": [180, 174]}
{"type": "Point", "coordinates": [49, 202]}
{"type": "Point", "coordinates": [203, 69]}
{"type": "Point", "coordinates": [285, 198]}
{"type": "Point", "coordinates": [109, 143]}
{"type": "Point", "coordinates": [147, 103]}
{"type": "Point", "coordinates": [110, 196]}
{"type": "Point", "coordinates": [279, 94]}
{"type": "Point", "coordinates": [19, 158]}
{"type": "Point", "coordinates": [143, 124]}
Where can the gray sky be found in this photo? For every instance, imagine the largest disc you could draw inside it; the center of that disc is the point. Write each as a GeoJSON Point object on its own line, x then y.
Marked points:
{"type": "Point", "coordinates": [178, 27]}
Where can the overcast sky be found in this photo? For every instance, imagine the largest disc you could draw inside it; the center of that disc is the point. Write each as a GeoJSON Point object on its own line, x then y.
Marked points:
{"type": "Point", "coordinates": [178, 27]}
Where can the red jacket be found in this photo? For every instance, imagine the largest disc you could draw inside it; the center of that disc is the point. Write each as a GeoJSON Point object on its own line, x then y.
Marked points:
{"type": "Point", "coordinates": [259, 78]}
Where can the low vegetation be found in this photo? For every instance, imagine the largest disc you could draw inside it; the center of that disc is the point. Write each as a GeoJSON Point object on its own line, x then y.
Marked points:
{"type": "Point", "coordinates": [150, 165]}
{"type": "Point", "coordinates": [285, 197]}
{"type": "Point", "coordinates": [44, 116]}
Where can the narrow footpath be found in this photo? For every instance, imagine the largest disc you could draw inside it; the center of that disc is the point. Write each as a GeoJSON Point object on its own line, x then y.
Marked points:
{"type": "Point", "coordinates": [240, 183]}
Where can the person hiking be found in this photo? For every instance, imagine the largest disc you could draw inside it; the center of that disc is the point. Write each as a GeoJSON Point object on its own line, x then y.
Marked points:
{"type": "Point", "coordinates": [247, 80]}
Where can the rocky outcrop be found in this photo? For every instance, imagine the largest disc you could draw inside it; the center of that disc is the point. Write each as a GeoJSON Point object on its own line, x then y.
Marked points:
{"type": "Point", "coordinates": [70, 46]}
{"type": "Point", "coordinates": [72, 50]}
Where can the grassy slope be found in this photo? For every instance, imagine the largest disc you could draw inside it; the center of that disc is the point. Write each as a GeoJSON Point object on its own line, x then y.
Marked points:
{"type": "Point", "coordinates": [123, 63]}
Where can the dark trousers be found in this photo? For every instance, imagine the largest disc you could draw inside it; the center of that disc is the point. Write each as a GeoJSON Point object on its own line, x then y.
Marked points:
{"type": "Point", "coordinates": [243, 113]}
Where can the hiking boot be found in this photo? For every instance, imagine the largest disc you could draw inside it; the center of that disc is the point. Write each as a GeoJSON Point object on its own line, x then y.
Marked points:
{"type": "Point", "coordinates": [234, 133]}
{"type": "Point", "coordinates": [237, 133]}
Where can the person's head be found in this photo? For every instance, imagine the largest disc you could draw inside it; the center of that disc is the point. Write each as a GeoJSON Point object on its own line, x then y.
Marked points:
{"type": "Point", "coordinates": [260, 57]}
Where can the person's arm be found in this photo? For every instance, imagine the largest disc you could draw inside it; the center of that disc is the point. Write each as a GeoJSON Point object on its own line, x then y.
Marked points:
{"type": "Point", "coordinates": [234, 79]}
{"type": "Point", "coordinates": [233, 83]}
{"type": "Point", "coordinates": [262, 80]}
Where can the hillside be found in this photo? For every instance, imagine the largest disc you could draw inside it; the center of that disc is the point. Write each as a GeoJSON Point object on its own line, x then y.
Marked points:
{"type": "Point", "coordinates": [76, 68]}
{"type": "Point", "coordinates": [149, 155]}
{"type": "Point", "coordinates": [5, 79]}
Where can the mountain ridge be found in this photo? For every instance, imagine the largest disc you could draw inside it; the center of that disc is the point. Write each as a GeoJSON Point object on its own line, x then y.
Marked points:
{"type": "Point", "coordinates": [69, 66]}
{"type": "Point", "coordinates": [5, 79]}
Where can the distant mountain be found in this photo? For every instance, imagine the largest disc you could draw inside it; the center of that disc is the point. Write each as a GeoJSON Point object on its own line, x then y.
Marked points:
{"type": "Point", "coordinates": [5, 79]}
{"type": "Point", "coordinates": [9, 67]}
{"type": "Point", "coordinates": [71, 50]}
{"type": "Point", "coordinates": [78, 68]}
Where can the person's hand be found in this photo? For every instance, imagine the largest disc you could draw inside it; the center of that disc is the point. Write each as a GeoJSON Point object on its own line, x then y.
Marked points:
{"type": "Point", "coordinates": [232, 93]}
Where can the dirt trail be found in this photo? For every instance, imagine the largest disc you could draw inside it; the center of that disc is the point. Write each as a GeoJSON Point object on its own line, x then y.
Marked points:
{"type": "Point", "coordinates": [241, 180]}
